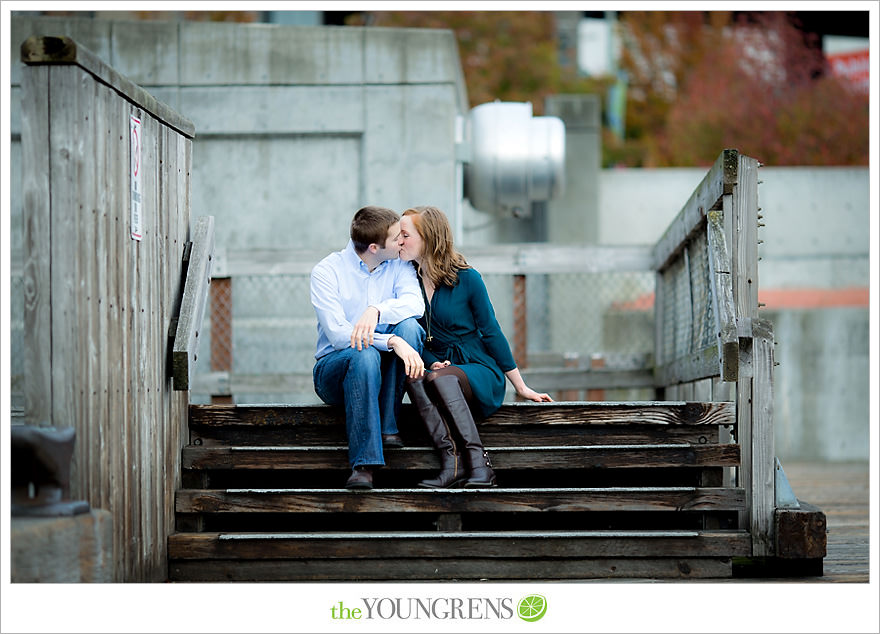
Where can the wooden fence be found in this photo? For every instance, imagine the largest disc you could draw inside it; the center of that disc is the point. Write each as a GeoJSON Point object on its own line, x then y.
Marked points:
{"type": "Point", "coordinates": [106, 196]}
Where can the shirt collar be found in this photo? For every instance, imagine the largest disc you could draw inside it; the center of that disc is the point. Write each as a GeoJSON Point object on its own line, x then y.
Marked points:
{"type": "Point", "coordinates": [354, 259]}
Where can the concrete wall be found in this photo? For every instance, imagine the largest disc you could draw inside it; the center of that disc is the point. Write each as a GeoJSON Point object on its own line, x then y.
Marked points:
{"type": "Point", "coordinates": [296, 126]}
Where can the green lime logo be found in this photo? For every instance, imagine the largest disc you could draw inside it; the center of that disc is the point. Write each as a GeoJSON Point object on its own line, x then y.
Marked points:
{"type": "Point", "coordinates": [532, 607]}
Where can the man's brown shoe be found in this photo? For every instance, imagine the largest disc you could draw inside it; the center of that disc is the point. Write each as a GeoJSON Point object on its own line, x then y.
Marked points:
{"type": "Point", "coordinates": [361, 478]}
{"type": "Point", "coordinates": [392, 440]}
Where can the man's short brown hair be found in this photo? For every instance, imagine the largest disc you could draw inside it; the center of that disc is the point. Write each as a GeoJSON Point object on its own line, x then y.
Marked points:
{"type": "Point", "coordinates": [370, 226]}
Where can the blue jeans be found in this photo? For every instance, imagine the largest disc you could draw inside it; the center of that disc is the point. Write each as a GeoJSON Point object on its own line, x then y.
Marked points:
{"type": "Point", "coordinates": [370, 384]}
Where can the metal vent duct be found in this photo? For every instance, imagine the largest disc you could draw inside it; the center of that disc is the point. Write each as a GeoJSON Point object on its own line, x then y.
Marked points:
{"type": "Point", "coordinates": [515, 159]}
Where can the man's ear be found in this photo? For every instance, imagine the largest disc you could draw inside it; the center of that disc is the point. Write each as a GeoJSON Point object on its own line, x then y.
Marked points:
{"type": "Point", "coordinates": [373, 248]}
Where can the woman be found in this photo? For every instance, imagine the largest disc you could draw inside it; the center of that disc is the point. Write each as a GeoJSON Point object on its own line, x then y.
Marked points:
{"type": "Point", "coordinates": [465, 351]}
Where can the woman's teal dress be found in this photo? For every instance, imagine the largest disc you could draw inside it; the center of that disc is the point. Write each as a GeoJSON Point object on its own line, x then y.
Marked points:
{"type": "Point", "coordinates": [463, 329]}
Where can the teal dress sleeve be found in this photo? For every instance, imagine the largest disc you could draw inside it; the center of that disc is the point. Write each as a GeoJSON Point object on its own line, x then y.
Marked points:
{"type": "Point", "coordinates": [484, 317]}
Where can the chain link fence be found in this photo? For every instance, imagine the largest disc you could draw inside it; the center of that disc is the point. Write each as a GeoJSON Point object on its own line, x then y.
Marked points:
{"type": "Point", "coordinates": [688, 319]}
{"type": "Point", "coordinates": [572, 319]}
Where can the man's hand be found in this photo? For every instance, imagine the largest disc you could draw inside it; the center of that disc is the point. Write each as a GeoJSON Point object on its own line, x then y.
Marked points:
{"type": "Point", "coordinates": [412, 360]}
{"type": "Point", "coordinates": [362, 335]}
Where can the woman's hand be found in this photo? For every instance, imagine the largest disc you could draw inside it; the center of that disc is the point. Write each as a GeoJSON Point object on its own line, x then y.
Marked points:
{"type": "Point", "coordinates": [440, 364]}
{"type": "Point", "coordinates": [530, 394]}
{"type": "Point", "coordinates": [413, 365]}
{"type": "Point", "coordinates": [524, 390]}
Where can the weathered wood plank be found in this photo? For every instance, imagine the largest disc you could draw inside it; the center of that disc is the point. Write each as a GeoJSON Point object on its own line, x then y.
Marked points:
{"type": "Point", "coordinates": [503, 544]}
{"type": "Point", "coordinates": [192, 306]}
{"type": "Point", "coordinates": [801, 533]}
{"type": "Point", "coordinates": [719, 180]}
{"type": "Point", "coordinates": [413, 434]}
{"type": "Point", "coordinates": [451, 569]}
{"type": "Point", "coordinates": [63, 50]}
{"type": "Point", "coordinates": [722, 297]}
{"type": "Point", "coordinates": [36, 272]}
{"type": "Point", "coordinates": [572, 413]}
{"type": "Point", "coordinates": [67, 163]}
{"type": "Point", "coordinates": [459, 500]}
{"type": "Point", "coordinates": [583, 457]}
{"type": "Point", "coordinates": [744, 243]}
{"type": "Point", "coordinates": [702, 364]}
{"type": "Point", "coordinates": [762, 482]}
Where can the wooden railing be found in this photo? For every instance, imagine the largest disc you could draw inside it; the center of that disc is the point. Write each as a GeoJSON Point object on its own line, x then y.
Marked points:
{"type": "Point", "coordinates": [709, 340]}
{"type": "Point", "coordinates": [198, 258]}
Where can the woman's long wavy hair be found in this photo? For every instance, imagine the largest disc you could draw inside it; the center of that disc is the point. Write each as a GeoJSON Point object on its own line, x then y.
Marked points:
{"type": "Point", "coordinates": [440, 261]}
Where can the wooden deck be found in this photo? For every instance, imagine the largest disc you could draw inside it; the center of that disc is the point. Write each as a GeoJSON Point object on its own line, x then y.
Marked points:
{"type": "Point", "coordinates": [840, 490]}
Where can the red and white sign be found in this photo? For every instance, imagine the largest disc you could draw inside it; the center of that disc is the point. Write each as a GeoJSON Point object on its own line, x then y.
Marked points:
{"type": "Point", "coordinates": [852, 65]}
{"type": "Point", "coordinates": [136, 181]}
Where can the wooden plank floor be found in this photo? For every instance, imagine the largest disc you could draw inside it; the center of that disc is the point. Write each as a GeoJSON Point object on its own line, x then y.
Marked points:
{"type": "Point", "coordinates": [840, 490]}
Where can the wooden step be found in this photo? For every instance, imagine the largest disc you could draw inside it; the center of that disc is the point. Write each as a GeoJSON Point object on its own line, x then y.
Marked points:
{"type": "Point", "coordinates": [419, 555]}
{"type": "Point", "coordinates": [538, 457]}
{"type": "Point", "coordinates": [459, 500]}
{"type": "Point", "coordinates": [515, 424]}
{"type": "Point", "coordinates": [586, 490]}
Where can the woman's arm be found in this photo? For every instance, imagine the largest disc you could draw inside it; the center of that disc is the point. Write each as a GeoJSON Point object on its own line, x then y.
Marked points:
{"type": "Point", "coordinates": [484, 318]}
{"type": "Point", "coordinates": [524, 390]}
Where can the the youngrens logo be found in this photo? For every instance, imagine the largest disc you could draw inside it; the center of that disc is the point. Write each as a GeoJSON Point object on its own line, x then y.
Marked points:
{"type": "Point", "coordinates": [530, 608]}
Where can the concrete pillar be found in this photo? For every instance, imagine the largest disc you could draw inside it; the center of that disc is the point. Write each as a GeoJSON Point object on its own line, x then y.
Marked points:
{"type": "Point", "coordinates": [72, 549]}
{"type": "Point", "coordinates": [573, 218]}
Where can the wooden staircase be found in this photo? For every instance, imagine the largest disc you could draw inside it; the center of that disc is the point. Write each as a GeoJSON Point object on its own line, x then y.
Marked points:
{"type": "Point", "coordinates": [586, 490]}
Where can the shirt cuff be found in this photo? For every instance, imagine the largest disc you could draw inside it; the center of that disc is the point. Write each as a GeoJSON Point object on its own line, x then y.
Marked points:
{"type": "Point", "coordinates": [380, 341]}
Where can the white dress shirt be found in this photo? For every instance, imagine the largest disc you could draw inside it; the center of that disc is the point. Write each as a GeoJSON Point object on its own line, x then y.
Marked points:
{"type": "Point", "coordinates": [341, 288]}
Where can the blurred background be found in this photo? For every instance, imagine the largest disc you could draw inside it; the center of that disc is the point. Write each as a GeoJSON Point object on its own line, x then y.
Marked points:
{"type": "Point", "coordinates": [302, 117]}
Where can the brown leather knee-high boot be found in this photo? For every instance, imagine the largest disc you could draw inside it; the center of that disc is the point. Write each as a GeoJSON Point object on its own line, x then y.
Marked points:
{"type": "Point", "coordinates": [451, 472]}
{"type": "Point", "coordinates": [449, 390]}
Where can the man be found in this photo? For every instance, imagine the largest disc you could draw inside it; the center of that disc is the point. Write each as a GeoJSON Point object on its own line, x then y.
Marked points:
{"type": "Point", "coordinates": [367, 301]}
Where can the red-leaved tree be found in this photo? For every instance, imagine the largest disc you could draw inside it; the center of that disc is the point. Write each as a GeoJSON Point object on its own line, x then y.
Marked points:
{"type": "Point", "coordinates": [755, 84]}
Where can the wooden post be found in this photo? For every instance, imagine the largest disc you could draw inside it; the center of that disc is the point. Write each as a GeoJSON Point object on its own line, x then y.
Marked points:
{"type": "Point", "coordinates": [192, 305]}
{"type": "Point", "coordinates": [520, 325]}
{"type": "Point", "coordinates": [596, 361]}
{"type": "Point", "coordinates": [570, 360]}
{"type": "Point", "coordinates": [762, 495]}
{"type": "Point", "coordinates": [221, 332]}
